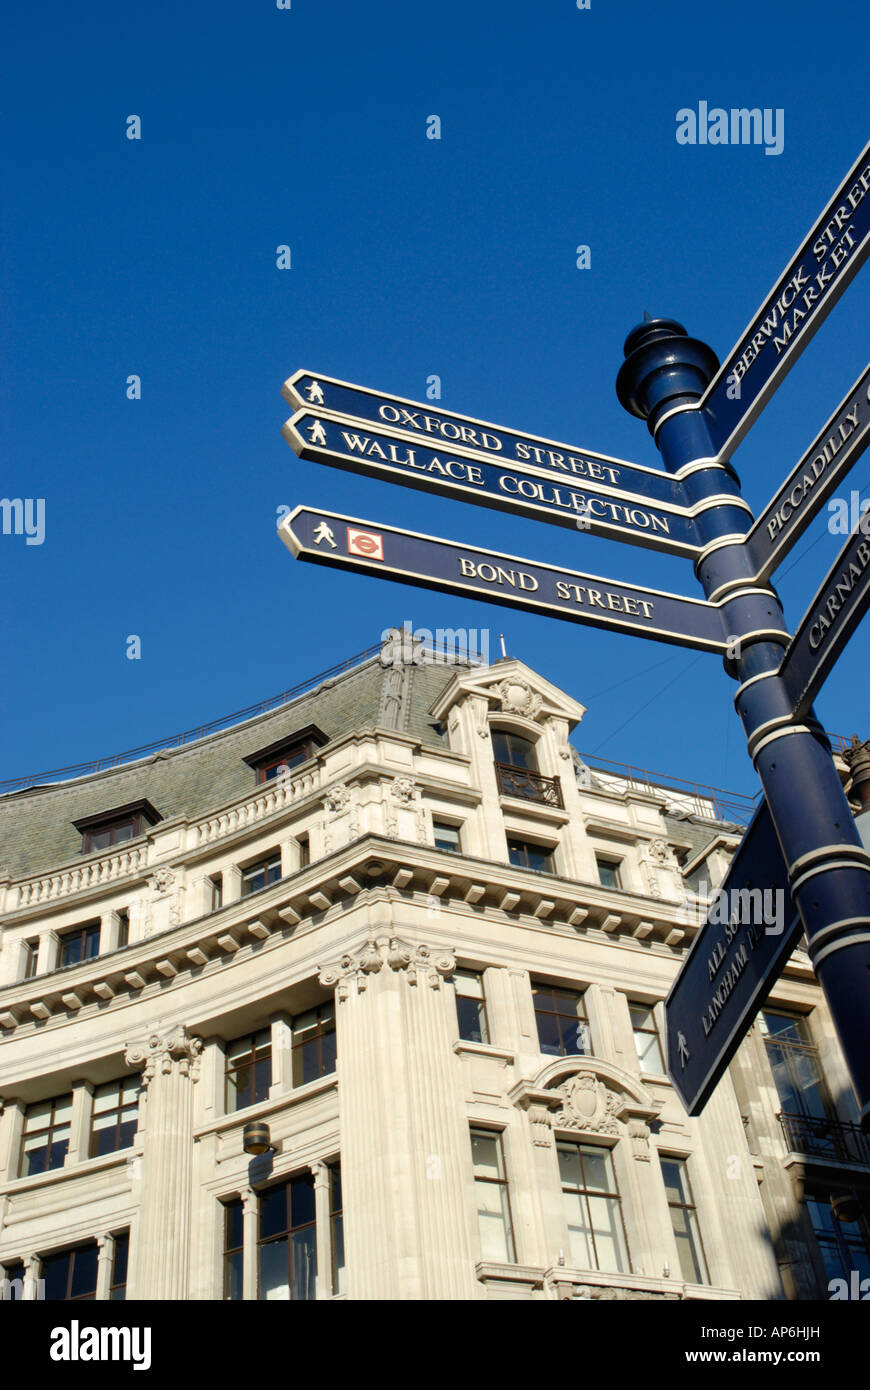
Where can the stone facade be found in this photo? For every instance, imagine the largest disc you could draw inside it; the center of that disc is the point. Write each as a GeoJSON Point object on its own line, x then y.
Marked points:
{"type": "Point", "coordinates": [370, 917]}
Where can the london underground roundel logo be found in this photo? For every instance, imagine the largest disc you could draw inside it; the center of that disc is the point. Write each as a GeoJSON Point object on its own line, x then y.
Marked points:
{"type": "Point", "coordinates": [366, 543]}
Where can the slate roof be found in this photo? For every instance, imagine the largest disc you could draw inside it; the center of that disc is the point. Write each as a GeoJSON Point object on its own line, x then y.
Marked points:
{"type": "Point", "coordinates": [36, 825]}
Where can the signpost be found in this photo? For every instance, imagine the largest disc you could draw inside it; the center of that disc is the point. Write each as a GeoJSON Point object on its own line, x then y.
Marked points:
{"type": "Point", "coordinates": [803, 846]}
{"type": "Point", "coordinates": [825, 464]}
{"type": "Point", "coordinates": [474, 477]}
{"type": "Point", "coordinates": [831, 253]}
{"type": "Point", "coordinates": [828, 623]}
{"type": "Point", "coordinates": [751, 929]}
{"type": "Point", "coordinates": [328, 538]}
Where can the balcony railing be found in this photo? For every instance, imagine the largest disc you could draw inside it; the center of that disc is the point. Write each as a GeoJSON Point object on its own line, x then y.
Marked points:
{"type": "Point", "coordinates": [835, 1139]}
{"type": "Point", "coordinates": [531, 786]}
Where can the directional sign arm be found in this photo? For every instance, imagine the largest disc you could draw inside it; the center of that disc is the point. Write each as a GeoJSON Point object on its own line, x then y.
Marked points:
{"type": "Point", "coordinates": [834, 451]}
{"type": "Point", "coordinates": [828, 623]}
{"type": "Point", "coordinates": [471, 476]}
{"type": "Point", "coordinates": [329, 538]}
{"type": "Point", "coordinates": [443, 429]}
{"type": "Point", "coordinates": [830, 255]}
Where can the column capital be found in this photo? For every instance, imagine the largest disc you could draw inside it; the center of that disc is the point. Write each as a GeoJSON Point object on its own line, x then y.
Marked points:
{"type": "Point", "coordinates": [421, 962]}
{"type": "Point", "coordinates": [160, 1051]}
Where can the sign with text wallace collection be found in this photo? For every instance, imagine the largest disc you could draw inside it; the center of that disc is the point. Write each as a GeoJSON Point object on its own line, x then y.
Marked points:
{"type": "Point", "coordinates": [475, 477]}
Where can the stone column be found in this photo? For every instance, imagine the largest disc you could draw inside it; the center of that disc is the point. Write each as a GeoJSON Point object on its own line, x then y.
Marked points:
{"type": "Point", "coordinates": [324, 1234]}
{"type": "Point", "coordinates": [49, 950]}
{"type": "Point", "coordinates": [110, 926]}
{"type": "Point", "coordinates": [250, 1231]}
{"type": "Point", "coordinates": [404, 1136]}
{"type": "Point", "coordinates": [105, 1259]}
{"type": "Point", "coordinates": [169, 1062]}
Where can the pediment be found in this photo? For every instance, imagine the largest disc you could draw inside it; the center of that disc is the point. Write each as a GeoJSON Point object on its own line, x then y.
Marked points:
{"type": "Point", "coordinates": [513, 689]}
{"type": "Point", "coordinates": [584, 1095]}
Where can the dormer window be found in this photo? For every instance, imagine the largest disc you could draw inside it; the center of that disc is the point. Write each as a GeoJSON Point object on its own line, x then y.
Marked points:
{"type": "Point", "coordinates": [109, 828]}
{"type": "Point", "coordinates": [511, 750]}
{"type": "Point", "coordinates": [279, 757]}
{"type": "Point", "coordinates": [516, 770]}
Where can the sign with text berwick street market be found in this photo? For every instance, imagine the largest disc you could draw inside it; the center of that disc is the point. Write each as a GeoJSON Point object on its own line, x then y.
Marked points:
{"type": "Point", "coordinates": [732, 964]}
{"type": "Point", "coordinates": [809, 287]}
{"type": "Point", "coordinates": [376, 452]}
{"type": "Point", "coordinates": [305, 391]}
{"type": "Point", "coordinates": [346, 542]}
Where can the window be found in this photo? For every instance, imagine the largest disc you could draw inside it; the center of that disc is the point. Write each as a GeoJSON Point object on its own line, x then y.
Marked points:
{"type": "Point", "coordinates": [260, 875]}
{"type": "Point", "coordinates": [563, 1028]}
{"type": "Point", "coordinates": [447, 837]}
{"type": "Point", "coordinates": [115, 1115]}
{"type": "Point", "coordinates": [81, 944]}
{"type": "Point", "coordinates": [287, 1245]}
{"type": "Point", "coordinates": [336, 1222]}
{"type": "Point", "coordinates": [491, 1192]}
{"type": "Point", "coordinates": [123, 929]}
{"type": "Point", "coordinates": [304, 843]}
{"type": "Point", "coordinates": [592, 1208]}
{"type": "Point", "coordinates": [795, 1064]}
{"type": "Point", "coordinates": [684, 1221]}
{"type": "Point", "coordinates": [523, 854]}
{"type": "Point", "coordinates": [513, 751]}
{"type": "Point", "coordinates": [233, 1248]}
{"type": "Point", "coordinates": [608, 872]}
{"type": "Point", "coordinates": [279, 757]}
{"type": "Point", "coordinates": [646, 1038]}
{"type": "Point", "coordinates": [118, 1286]}
{"type": "Point", "coordinates": [314, 1043]}
{"type": "Point", "coordinates": [471, 1006]}
{"type": "Point", "coordinates": [70, 1276]}
{"type": "Point", "coordinates": [113, 827]}
{"type": "Point", "coordinates": [12, 1281]}
{"type": "Point", "coordinates": [249, 1070]}
{"type": "Point", "coordinates": [46, 1135]}
{"type": "Point", "coordinates": [31, 959]}
{"type": "Point", "coordinates": [843, 1245]}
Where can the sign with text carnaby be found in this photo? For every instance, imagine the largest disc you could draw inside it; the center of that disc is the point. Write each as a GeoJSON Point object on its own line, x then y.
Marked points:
{"type": "Point", "coordinates": [751, 929]}
{"type": "Point", "coordinates": [828, 623]}
{"type": "Point", "coordinates": [809, 287]}
{"type": "Point", "coordinates": [460, 433]}
{"type": "Point", "coordinates": [408, 557]}
{"type": "Point", "coordinates": [340, 443]}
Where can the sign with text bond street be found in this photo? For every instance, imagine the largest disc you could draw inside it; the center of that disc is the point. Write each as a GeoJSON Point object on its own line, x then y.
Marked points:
{"type": "Point", "coordinates": [825, 464]}
{"type": "Point", "coordinates": [474, 477]}
{"type": "Point", "coordinates": [828, 623]}
{"type": "Point", "coordinates": [829, 256]}
{"type": "Point", "coordinates": [464, 435]}
{"type": "Point", "coordinates": [328, 538]}
{"type": "Point", "coordinates": [751, 929]}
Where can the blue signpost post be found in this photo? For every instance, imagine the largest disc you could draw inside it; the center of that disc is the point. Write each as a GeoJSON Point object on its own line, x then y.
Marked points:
{"type": "Point", "coordinates": [662, 379]}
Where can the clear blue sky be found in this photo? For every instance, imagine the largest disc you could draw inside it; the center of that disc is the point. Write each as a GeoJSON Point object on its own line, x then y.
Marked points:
{"type": "Point", "coordinates": [410, 257]}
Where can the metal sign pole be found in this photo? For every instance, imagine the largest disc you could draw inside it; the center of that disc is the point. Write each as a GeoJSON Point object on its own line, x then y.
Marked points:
{"type": "Point", "coordinates": [662, 379]}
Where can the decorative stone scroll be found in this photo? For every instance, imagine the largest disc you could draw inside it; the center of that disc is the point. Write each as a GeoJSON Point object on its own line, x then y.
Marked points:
{"type": "Point", "coordinates": [419, 962]}
{"type": "Point", "coordinates": [161, 1052]}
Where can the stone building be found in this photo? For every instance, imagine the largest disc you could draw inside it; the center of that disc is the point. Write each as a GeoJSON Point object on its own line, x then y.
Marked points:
{"type": "Point", "coordinates": [397, 919]}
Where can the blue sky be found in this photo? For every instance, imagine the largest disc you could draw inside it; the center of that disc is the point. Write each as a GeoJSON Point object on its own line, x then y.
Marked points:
{"type": "Point", "coordinates": [410, 257]}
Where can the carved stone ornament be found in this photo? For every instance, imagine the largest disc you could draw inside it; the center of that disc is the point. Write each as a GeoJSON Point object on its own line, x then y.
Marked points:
{"type": "Point", "coordinates": [337, 798]}
{"type": "Point", "coordinates": [403, 790]}
{"type": "Point", "coordinates": [542, 1126]}
{"type": "Point", "coordinates": [163, 880]}
{"type": "Point", "coordinates": [163, 1051]}
{"type": "Point", "coordinates": [558, 728]}
{"type": "Point", "coordinates": [587, 1104]}
{"type": "Point", "coordinates": [638, 1131]}
{"type": "Point", "coordinates": [353, 968]}
{"type": "Point", "coordinates": [518, 698]}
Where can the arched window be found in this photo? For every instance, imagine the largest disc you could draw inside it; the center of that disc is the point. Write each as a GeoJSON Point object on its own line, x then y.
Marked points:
{"type": "Point", "coordinates": [512, 750]}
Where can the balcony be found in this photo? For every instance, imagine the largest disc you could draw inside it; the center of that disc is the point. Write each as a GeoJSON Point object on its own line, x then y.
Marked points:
{"type": "Point", "coordinates": [830, 1139]}
{"type": "Point", "coordinates": [529, 786]}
